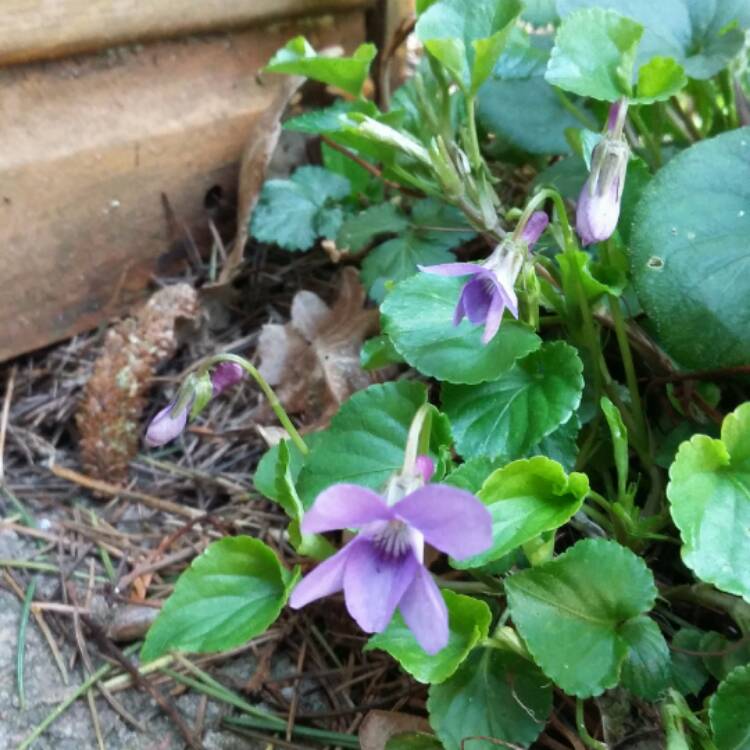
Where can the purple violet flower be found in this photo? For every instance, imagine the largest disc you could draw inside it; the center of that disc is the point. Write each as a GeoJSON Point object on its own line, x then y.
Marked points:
{"type": "Point", "coordinates": [485, 297]}
{"type": "Point", "coordinates": [167, 425]}
{"type": "Point", "coordinates": [382, 568]}
{"type": "Point", "coordinates": [598, 209]}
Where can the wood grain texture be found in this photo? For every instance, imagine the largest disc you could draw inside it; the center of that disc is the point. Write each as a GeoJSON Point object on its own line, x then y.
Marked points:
{"type": "Point", "coordinates": [37, 29]}
{"type": "Point", "coordinates": [90, 147]}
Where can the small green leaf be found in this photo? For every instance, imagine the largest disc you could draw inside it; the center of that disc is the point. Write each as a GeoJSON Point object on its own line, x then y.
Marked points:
{"type": "Point", "coordinates": [365, 441]}
{"type": "Point", "coordinates": [689, 675]}
{"type": "Point", "coordinates": [378, 352]}
{"type": "Point", "coordinates": [721, 655]}
{"type": "Point", "coordinates": [418, 316]}
{"type": "Point", "coordinates": [659, 79]}
{"type": "Point", "coordinates": [709, 495]}
{"type": "Point", "coordinates": [594, 54]}
{"type": "Point", "coordinates": [510, 415]}
{"type": "Point", "coordinates": [647, 669]}
{"type": "Point", "coordinates": [571, 612]}
{"type": "Point", "coordinates": [294, 213]}
{"type": "Point", "coordinates": [230, 593]}
{"type": "Point", "coordinates": [730, 719]}
{"type": "Point", "coordinates": [467, 40]}
{"type": "Point", "coordinates": [619, 433]}
{"type": "Point", "coordinates": [297, 57]}
{"type": "Point", "coordinates": [264, 479]}
{"type": "Point", "coordinates": [688, 252]}
{"type": "Point", "coordinates": [472, 474]}
{"type": "Point", "coordinates": [469, 622]}
{"type": "Point", "coordinates": [527, 498]}
{"type": "Point", "coordinates": [495, 695]}
{"type": "Point", "coordinates": [329, 119]}
{"type": "Point", "coordinates": [435, 228]}
{"type": "Point", "coordinates": [560, 445]}
{"type": "Point", "coordinates": [359, 230]}
{"type": "Point", "coordinates": [597, 280]}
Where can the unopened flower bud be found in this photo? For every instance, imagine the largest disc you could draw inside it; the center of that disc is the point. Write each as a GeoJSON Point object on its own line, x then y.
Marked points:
{"type": "Point", "coordinates": [225, 375]}
{"type": "Point", "coordinates": [167, 424]}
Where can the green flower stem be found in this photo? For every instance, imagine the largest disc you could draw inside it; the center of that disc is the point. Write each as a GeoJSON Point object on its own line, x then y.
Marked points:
{"type": "Point", "coordinates": [627, 362]}
{"type": "Point", "coordinates": [472, 147]}
{"type": "Point", "coordinates": [707, 596]}
{"type": "Point", "coordinates": [651, 141]}
{"type": "Point", "coordinates": [268, 392]}
{"type": "Point", "coordinates": [730, 98]}
{"type": "Point", "coordinates": [580, 114]}
{"type": "Point", "coordinates": [583, 733]}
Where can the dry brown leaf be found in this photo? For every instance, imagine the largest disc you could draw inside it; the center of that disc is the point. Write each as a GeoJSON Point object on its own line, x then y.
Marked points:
{"type": "Point", "coordinates": [255, 160]}
{"type": "Point", "coordinates": [110, 412]}
{"type": "Point", "coordinates": [379, 726]}
{"type": "Point", "coordinates": [313, 361]}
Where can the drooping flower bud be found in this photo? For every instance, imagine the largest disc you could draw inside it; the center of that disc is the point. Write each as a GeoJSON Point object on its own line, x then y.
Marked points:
{"type": "Point", "coordinates": [598, 209]}
{"type": "Point", "coordinates": [167, 424]}
{"type": "Point", "coordinates": [225, 375]}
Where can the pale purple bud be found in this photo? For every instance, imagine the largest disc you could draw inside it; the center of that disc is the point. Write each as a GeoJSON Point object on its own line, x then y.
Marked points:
{"type": "Point", "coordinates": [225, 375]}
{"type": "Point", "coordinates": [534, 228]}
{"type": "Point", "coordinates": [425, 466]}
{"type": "Point", "coordinates": [598, 209]}
{"type": "Point", "coordinates": [167, 425]}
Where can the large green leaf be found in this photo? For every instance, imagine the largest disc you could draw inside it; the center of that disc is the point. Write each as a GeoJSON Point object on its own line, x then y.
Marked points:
{"type": "Point", "coordinates": [647, 669]}
{"type": "Point", "coordinates": [571, 612]}
{"type": "Point", "coordinates": [434, 229]}
{"type": "Point", "coordinates": [418, 316]}
{"type": "Point", "coordinates": [527, 113]}
{"type": "Point", "coordinates": [698, 34]}
{"type": "Point", "coordinates": [527, 498]}
{"type": "Point", "coordinates": [293, 213]}
{"type": "Point", "coordinates": [297, 57]}
{"type": "Point", "coordinates": [231, 592]}
{"type": "Point", "coordinates": [469, 622]}
{"type": "Point", "coordinates": [730, 718]}
{"type": "Point", "coordinates": [709, 495]}
{"type": "Point", "coordinates": [365, 441]}
{"type": "Point", "coordinates": [495, 695]}
{"type": "Point", "coordinates": [511, 414]}
{"type": "Point", "coordinates": [594, 54]}
{"type": "Point", "coordinates": [689, 674]}
{"type": "Point", "coordinates": [467, 38]}
{"type": "Point", "coordinates": [690, 258]}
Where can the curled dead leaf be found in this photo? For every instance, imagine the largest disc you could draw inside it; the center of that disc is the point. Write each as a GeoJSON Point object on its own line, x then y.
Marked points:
{"type": "Point", "coordinates": [109, 414]}
{"type": "Point", "coordinates": [313, 360]}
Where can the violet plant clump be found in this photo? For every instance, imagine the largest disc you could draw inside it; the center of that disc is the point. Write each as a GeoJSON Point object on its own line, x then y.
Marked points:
{"type": "Point", "coordinates": [529, 511]}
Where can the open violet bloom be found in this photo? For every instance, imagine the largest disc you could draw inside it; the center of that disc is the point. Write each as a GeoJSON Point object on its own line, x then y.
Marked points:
{"type": "Point", "coordinates": [382, 568]}
{"type": "Point", "coordinates": [598, 209]}
{"type": "Point", "coordinates": [489, 291]}
{"type": "Point", "coordinates": [171, 421]}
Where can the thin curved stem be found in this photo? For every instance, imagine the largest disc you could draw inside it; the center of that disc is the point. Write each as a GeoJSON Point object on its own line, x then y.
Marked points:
{"type": "Point", "coordinates": [268, 392]}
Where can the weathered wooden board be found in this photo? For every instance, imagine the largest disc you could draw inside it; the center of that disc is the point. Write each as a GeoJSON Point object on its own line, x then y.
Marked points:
{"type": "Point", "coordinates": [34, 29]}
{"type": "Point", "coordinates": [89, 146]}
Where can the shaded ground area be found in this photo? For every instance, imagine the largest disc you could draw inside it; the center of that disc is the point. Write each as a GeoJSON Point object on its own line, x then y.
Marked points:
{"type": "Point", "coordinates": [94, 557]}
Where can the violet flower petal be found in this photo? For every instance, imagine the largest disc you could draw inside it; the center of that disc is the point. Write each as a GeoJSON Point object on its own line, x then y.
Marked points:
{"type": "Point", "coordinates": [536, 224]}
{"type": "Point", "coordinates": [452, 269]}
{"type": "Point", "coordinates": [494, 318]}
{"type": "Point", "coordinates": [344, 506]}
{"type": "Point", "coordinates": [477, 297]}
{"type": "Point", "coordinates": [324, 580]}
{"type": "Point", "coordinates": [374, 584]}
{"type": "Point", "coordinates": [452, 520]}
{"type": "Point", "coordinates": [225, 375]}
{"type": "Point", "coordinates": [426, 467]}
{"type": "Point", "coordinates": [166, 426]}
{"type": "Point", "coordinates": [425, 614]}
